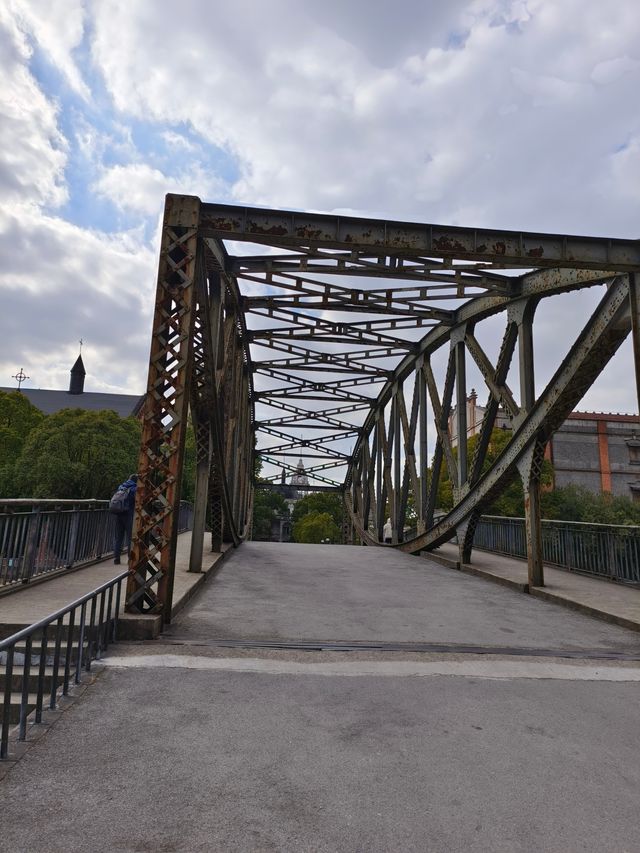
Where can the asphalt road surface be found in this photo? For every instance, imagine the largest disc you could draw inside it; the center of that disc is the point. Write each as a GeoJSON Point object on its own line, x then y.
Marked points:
{"type": "Point", "coordinates": [188, 745]}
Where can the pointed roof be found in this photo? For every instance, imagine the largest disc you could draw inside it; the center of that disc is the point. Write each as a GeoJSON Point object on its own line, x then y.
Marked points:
{"type": "Point", "coordinates": [78, 367]}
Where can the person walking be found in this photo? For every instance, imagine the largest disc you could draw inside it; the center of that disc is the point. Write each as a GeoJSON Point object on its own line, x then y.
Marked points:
{"type": "Point", "coordinates": [387, 532]}
{"type": "Point", "coordinates": [121, 505]}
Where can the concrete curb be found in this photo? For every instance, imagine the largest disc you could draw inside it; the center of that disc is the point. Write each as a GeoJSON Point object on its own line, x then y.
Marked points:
{"type": "Point", "coordinates": [472, 570]}
{"type": "Point", "coordinates": [604, 615]}
{"type": "Point", "coordinates": [536, 592]}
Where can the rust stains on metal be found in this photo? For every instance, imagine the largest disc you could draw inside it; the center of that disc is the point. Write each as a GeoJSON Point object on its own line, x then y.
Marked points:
{"type": "Point", "coordinates": [221, 223]}
{"type": "Point", "coordinates": [538, 252]}
{"type": "Point", "coordinates": [499, 248]}
{"type": "Point", "coordinates": [446, 244]}
{"type": "Point", "coordinates": [307, 233]}
{"type": "Point", "coordinates": [274, 230]}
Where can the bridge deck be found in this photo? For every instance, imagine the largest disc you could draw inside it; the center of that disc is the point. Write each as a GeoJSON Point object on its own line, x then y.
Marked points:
{"type": "Point", "coordinates": [184, 745]}
{"type": "Point", "coordinates": [342, 593]}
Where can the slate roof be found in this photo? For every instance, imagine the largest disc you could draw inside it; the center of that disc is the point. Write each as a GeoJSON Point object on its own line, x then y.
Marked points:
{"type": "Point", "coordinates": [53, 401]}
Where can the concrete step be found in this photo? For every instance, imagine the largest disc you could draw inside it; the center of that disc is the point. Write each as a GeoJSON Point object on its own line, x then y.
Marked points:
{"type": "Point", "coordinates": [14, 708]}
{"type": "Point", "coordinates": [17, 679]}
{"type": "Point", "coordinates": [8, 629]}
{"type": "Point", "coordinates": [20, 651]}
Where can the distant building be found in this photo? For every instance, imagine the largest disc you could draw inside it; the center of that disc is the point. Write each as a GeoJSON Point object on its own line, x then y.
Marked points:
{"type": "Point", "coordinates": [599, 451]}
{"type": "Point", "coordinates": [475, 414]}
{"type": "Point", "coordinates": [281, 524]}
{"type": "Point", "coordinates": [49, 401]}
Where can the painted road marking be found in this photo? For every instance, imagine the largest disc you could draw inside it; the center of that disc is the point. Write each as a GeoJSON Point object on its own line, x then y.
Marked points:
{"type": "Point", "coordinates": [405, 669]}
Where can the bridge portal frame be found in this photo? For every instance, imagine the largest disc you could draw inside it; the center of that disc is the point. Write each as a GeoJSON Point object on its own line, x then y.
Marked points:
{"type": "Point", "coordinates": [201, 369]}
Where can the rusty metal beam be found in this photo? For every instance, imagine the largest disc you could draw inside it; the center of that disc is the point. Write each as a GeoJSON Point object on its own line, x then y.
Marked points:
{"type": "Point", "coordinates": [515, 248]}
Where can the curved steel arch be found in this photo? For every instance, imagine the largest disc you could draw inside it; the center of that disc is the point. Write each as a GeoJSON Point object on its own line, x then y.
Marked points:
{"type": "Point", "coordinates": [533, 425]}
{"type": "Point", "coordinates": [300, 346]}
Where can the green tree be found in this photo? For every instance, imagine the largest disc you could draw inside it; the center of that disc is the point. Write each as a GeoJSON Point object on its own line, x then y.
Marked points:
{"type": "Point", "coordinates": [315, 527]}
{"type": "Point", "coordinates": [17, 418]}
{"type": "Point", "coordinates": [78, 454]}
{"type": "Point", "coordinates": [511, 501]}
{"type": "Point", "coordinates": [320, 502]}
{"type": "Point", "coordinates": [266, 506]}
{"type": "Point", "coordinates": [575, 503]}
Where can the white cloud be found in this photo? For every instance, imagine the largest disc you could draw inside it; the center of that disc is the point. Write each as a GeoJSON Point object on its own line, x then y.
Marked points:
{"type": "Point", "coordinates": [140, 188]}
{"type": "Point", "coordinates": [135, 187]}
{"type": "Point", "coordinates": [611, 70]}
{"type": "Point", "coordinates": [490, 113]}
{"type": "Point", "coordinates": [58, 27]}
{"type": "Point", "coordinates": [32, 149]}
{"type": "Point", "coordinates": [316, 121]}
{"type": "Point", "coordinates": [625, 171]}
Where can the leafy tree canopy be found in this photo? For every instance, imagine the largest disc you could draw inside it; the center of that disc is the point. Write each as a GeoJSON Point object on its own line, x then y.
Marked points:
{"type": "Point", "coordinates": [78, 454]}
{"type": "Point", "coordinates": [17, 418]}
{"type": "Point", "coordinates": [511, 501]}
{"type": "Point", "coordinates": [320, 502]}
{"type": "Point", "coordinates": [266, 505]}
{"type": "Point", "coordinates": [575, 503]}
{"type": "Point", "coordinates": [314, 527]}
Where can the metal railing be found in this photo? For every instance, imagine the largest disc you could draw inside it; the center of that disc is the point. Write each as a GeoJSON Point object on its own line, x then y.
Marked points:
{"type": "Point", "coordinates": [607, 550]}
{"type": "Point", "coordinates": [39, 662]}
{"type": "Point", "coordinates": [39, 537]}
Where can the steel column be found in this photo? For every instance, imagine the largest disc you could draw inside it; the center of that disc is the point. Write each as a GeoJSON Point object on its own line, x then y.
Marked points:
{"type": "Point", "coordinates": [152, 563]}
{"type": "Point", "coordinates": [461, 411]}
{"type": "Point", "coordinates": [634, 297]}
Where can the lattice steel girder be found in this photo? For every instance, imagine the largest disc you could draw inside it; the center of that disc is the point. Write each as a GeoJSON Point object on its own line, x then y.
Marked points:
{"type": "Point", "coordinates": [355, 263]}
{"type": "Point", "coordinates": [360, 302]}
{"type": "Point", "coordinates": [516, 248]}
{"type": "Point", "coordinates": [165, 413]}
{"type": "Point", "coordinates": [333, 384]}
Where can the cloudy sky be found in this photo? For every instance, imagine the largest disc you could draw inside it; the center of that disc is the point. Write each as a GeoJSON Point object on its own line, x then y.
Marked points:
{"type": "Point", "coordinates": [490, 113]}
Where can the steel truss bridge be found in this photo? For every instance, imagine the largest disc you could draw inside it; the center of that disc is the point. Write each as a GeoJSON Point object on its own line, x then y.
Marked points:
{"type": "Point", "coordinates": [300, 335]}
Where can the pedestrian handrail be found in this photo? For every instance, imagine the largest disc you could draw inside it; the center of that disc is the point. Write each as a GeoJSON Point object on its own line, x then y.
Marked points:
{"type": "Point", "coordinates": [40, 537]}
{"type": "Point", "coordinates": [52, 654]}
{"type": "Point", "coordinates": [607, 550]}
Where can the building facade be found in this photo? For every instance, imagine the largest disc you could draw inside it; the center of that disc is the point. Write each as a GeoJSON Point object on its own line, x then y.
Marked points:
{"type": "Point", "coordinates": [599, 451]}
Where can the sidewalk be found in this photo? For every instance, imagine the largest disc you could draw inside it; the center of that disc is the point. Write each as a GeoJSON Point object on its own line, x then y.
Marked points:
{"type": "Point", "coordinates": [615, 603]}
{"type": "Point", "coordinates": [29, 604]}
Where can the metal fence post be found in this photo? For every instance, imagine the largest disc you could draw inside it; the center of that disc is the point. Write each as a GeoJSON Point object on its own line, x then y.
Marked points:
{"type": "Point", "coordinates": [31, 545]}
{"type": "Point", "coordinates": [73, 537]}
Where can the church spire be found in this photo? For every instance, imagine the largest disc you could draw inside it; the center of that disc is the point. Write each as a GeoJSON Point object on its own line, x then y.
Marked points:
{"type": "Point", "coordinates": [76, 383]}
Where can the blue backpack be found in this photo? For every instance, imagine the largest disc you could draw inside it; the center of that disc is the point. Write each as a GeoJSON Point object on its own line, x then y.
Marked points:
{"type": "Point", "coordinates": [119, 502]}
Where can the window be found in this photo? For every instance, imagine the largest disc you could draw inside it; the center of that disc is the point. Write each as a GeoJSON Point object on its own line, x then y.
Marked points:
{"type": "Point", "coordinates": [634, 451]}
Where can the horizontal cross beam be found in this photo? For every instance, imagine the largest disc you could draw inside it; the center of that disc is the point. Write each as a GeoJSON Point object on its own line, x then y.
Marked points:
{"type": "Point", "coordinates": [516, 248]}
